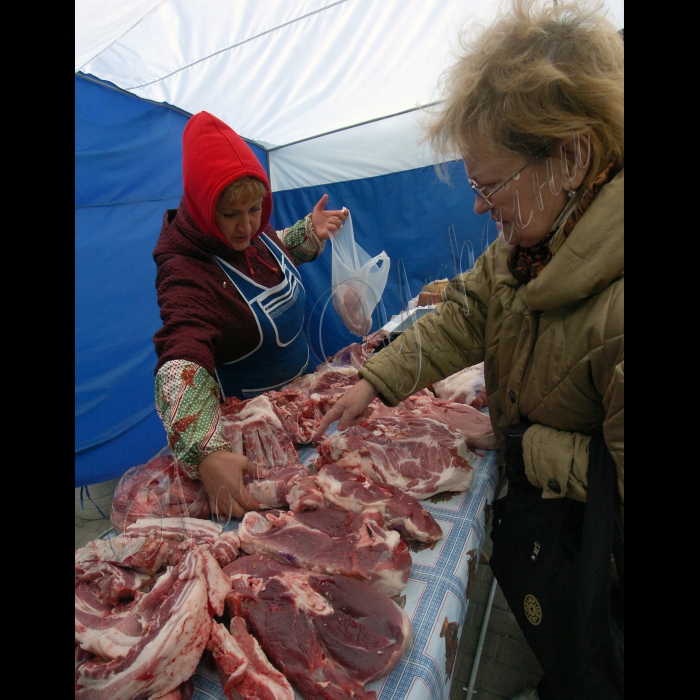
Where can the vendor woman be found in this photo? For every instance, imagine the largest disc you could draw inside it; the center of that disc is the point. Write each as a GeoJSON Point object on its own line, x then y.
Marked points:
{"type": "Point", "coordinates": [231, 301]}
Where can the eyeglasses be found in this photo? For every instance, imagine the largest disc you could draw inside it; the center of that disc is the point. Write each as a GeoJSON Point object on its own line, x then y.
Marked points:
{"type": "Point", "coordinates": [480, 190]}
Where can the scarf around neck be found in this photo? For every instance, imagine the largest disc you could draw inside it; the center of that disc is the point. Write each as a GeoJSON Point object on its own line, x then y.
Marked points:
{"type": "Point", "coordinates": [525, 264]}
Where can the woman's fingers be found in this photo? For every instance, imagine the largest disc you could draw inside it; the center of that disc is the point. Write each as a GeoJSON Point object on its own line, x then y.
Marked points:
{"type": "Point", "coordinates": [321, 203]}
{"type": "Point", "coordinates": [334, 412]}
{"type": "Point", "coordinates": [221, 473]}
{"type": "Point", "coordinates": [352, 408]}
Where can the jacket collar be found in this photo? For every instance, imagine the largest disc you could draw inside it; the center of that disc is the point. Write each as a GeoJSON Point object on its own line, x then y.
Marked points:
{"type": "Point", "coordinates": [591, 257]}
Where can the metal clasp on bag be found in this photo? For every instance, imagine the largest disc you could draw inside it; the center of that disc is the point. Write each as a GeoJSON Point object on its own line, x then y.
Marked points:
{"type": "Point", "coordinates": [535, 551]}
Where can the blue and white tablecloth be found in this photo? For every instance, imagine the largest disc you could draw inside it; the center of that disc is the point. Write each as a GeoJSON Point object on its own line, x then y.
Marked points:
{"type": "Point", "coordinates": [436, 596]}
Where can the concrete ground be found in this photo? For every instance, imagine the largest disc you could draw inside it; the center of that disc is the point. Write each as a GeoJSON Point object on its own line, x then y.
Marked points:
{"type": "Point", "coordinates": [507, 664]}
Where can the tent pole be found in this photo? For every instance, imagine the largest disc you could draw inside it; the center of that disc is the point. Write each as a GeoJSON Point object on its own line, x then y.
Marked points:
{"type": "Point", "coordinates": [482, 637]}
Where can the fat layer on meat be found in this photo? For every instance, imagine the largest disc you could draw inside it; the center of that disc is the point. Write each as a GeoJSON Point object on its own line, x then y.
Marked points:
{"type": "Point", "coordinates": [170, 648]}
{"type": "Point", "coordinates": [336, 487]}
{"type": "Point", "coordinates": [333, 542]}
{"type": "Point", "coordinates": [419, 455]}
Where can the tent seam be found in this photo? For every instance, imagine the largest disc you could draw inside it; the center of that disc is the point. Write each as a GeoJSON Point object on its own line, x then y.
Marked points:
{"type": "Point", "coordinates": [240, 43]}
{"type": "Point", "coordinates": [122, 35]}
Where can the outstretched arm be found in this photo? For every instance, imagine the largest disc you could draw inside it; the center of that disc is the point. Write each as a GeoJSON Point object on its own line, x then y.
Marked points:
{"type": "Point", "coordinates": [187, 401]}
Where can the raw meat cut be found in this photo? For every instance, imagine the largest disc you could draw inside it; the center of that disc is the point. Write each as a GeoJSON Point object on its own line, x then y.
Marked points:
{"type": "Point", "coordinates": [182, 534]}
{"type": "Point", "coordinates": [143, 553]}
{"type": "Point", "coordinates": [475, 426]}
{"type": "Point", "coordinates": [103, 629]}
{"type": "Point", "coordinates": [466, 386]}
{"type": "Point", "coordinates": [331, 542]}
{"type": "Point", "coordinates": [325, 376]}
{"type": "Point", "coordinates": [354, 355]}
{"type": "Point", "coordinates": [244, 669]}
{"type": "Point", "coordinates": [255, 431]}
{"type": "Point", "coordinates": [377, 339]}
{"type": "Point", "coordinates": [298, 414]}
{"type": "Point", "coordinates": [331, 379]}
{"type": "Point", "coordinates": [419, 455]}
{"type": "Point", "coordinates": [271, 491]}
{"type": "Point", "coordinates": [336, 487]}
{"type": "Point", "coordinates": [329, 635]}
{"type": "Point", "coordinates": [110, 631]}
{"type": "Point", "coordinates": [159, 488]}
{"type": "Point", "coordinates": [175, 630]}
{"type": "Point", "coordinates": [114, 583]}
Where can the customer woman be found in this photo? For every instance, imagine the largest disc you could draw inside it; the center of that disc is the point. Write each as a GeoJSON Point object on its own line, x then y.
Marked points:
{"type": "Point", "coordinates": [231, 301]}
{"type": "Point", "coordinates": [534, 107]}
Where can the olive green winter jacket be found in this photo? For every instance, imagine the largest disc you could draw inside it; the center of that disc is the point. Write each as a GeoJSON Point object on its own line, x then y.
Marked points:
{"type": "Point", "coordinates": [552, 349]}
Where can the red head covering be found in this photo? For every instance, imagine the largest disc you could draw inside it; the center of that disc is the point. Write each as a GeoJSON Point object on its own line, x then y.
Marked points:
{"type": "Point", "coordinates": [213, 156]}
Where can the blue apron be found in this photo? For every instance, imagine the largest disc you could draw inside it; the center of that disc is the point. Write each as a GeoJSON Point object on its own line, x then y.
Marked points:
{"type": "Point", "coordinates": [283, 352]}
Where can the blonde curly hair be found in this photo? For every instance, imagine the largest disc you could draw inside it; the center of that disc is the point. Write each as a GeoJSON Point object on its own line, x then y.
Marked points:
{"type": "Point", "coordinates": [540, 73]}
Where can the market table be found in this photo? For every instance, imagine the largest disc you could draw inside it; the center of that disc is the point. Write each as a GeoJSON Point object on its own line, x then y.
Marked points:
{"type": "Point", "coordinates": [436, 597]}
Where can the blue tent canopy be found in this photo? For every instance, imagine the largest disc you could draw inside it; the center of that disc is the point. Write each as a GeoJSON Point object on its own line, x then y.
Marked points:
{"type": "Point", "coordinates": [330, 94]}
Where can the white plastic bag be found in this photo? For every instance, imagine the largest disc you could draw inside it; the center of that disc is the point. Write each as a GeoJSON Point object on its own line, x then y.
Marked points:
{"type": "Point", "coordinates": [358, 280]}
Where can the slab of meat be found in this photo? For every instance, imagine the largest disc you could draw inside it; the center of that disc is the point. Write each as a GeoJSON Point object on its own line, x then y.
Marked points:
{"type": "Point", "coordinates": [109, 631]}
{"type": "Point", "coordinates": [114, 583]}
{"type": "Point", "coordinates": [419, 455]}
{"type": "Point", "coordinates": [331, 542]}
{"type": "Point", "coordinates": [182, 534]}
{"type": "Point", "coordinates": [244, 669]}
{"type": "Point", "coordinates": [145, 553]}
{"type": "Point", "coordinates": [298, 414]}
{"type": "Point", "coordinates": [377, 339]}
{"type": "Point", "coordinates": [475, 426]}
{"type": "Point", "coordinates": [325, 376]}
{"type": "Point", "coordinates": [329, 635]}
{"type": "Point", "coordinates": [336, 487]}
{"type": "Point", "coordinates": [354, 355]}
{"type": "Point", "coordinates": [170, 646]}
{"type": "Point", "coordinates": [159, 488]}
{"type": "Point", "coordinates": [271, 491]}
{"type": "Point", "coordinates": [103, 629]}
{"type": "Point", "coordinates": [466, 386]}
{"type": "Point", "coordinates": [254, 430]}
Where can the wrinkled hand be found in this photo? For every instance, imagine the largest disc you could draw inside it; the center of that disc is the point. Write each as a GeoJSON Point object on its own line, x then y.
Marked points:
{"type": "Point", "coordinates": [327, 221]}
{"type": "Point", "coordinates": [221, 473]}
{"type": "Point", "coordinates": [351, 408]}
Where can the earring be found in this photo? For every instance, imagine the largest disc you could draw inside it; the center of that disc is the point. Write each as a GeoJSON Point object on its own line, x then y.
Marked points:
{"type": "Point", "coordinates": [571, 194]}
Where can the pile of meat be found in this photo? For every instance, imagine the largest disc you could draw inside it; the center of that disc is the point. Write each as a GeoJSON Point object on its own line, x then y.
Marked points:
{"type": "Point", "coordinates": [151, 602]}
{"type": "Point", "coordinates": [423, 446]}
{"type": "Point", "coordinates": [286, 598]}
{"type": "Point", "coordinates": [158, 488]}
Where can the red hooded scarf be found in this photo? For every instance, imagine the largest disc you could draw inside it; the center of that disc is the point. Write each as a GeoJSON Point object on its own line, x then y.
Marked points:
{"type": "Point", "coordinates": [213, 156]}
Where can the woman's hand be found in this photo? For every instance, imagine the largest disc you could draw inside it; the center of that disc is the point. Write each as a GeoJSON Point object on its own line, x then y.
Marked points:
{"type": "Point", "coordinates": [350, 408]}
{"type": "Point", "coordinates": [327, 222]}
{"type": "Point", "coordinates": [221, 473]}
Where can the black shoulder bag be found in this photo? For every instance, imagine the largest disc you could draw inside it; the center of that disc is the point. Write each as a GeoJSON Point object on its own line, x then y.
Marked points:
{"type": "Point", "coordinates": [553, 561]}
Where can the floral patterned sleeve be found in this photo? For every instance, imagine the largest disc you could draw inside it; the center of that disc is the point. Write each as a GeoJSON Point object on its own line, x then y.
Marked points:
{"type": "Point", "coordinates": [301, 241]}
{"type": "Point", "coordinates": [187, 401]}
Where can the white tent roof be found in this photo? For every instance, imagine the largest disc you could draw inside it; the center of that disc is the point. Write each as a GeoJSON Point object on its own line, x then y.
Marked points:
{"type": "Point", "coordinates": [282, 72]}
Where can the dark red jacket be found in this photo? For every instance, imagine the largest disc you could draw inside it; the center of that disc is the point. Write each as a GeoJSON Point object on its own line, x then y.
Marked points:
{"type": "Point", "coordinates": [204, 320]}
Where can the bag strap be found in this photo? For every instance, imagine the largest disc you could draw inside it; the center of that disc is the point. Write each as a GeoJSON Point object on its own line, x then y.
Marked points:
{"type": "Point", "coordinates": [599, 663]}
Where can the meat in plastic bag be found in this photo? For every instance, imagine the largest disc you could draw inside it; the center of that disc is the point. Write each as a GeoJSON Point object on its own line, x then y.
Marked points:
{"type": "Point", "coordinates": [158, 488]}
{"type": "Point", "coordinates": [358, 280]}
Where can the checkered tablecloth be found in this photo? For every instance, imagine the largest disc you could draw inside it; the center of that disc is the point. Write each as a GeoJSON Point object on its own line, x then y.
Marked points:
{"type": "Point", "coordinates": [436, 596]}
